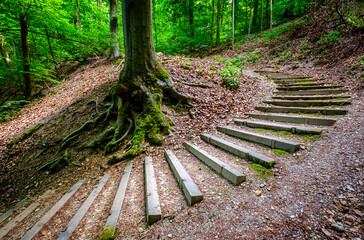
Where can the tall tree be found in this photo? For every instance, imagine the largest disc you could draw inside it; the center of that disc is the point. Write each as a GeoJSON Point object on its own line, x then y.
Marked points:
{"type": "Point", "coordinates": [3, 52]}
{"type": "Point", "coordinates": [114, 29]}
{"type": "Point", "coordinates": [78, 18]}
{"type": "Point", "coordinates": [191, 6]}
{"type": "Point", "coordinates": [212, 22]}
{"type": "Point", "coordinates": [255, 14]}
{"type": "Point", "coordinates": [218, 19]}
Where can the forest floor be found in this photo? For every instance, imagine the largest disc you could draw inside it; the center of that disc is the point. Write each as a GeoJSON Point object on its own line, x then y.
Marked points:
{"type": "Point", "coordinates": [302, 198]}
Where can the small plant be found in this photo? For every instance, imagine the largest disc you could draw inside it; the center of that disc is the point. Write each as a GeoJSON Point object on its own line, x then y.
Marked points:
{"type": "Point", "coordinates": [11, 109]}
{"type": "Point", "coordinates": [331, 38]}
{"type": "Point", "coordinates": [230, 77]}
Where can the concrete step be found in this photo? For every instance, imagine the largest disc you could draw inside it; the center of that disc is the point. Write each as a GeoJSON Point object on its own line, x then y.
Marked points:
{"type": "Point", "coordinates": [239, 151]}
{"type": "Point", "coordinates": [292, 119]}
{"type": "Point", "coordinates": [223, 169]}
{"type": "Point", "coordinates": [277, 127]}
{"type": "Point", "coordinates": [292, 81]}
{"type": "Point", "coordinates": [282, 76]}
{"type": "Point", "coordinates": [311, 92]}
{"type": "Point", "coordinates": [71, 226]}
{"type": "Point", "coordinates": [298, 88]}
{"type": "Point", "coordinates": [302, 84]}
{"type": "Point", "coordinates": [152, 204]}
{"type": "Point", "coordinates": [112, 220]}
{"type": "Point", "coordinates": [189, 189]}
{"type": "Point", "coordinates": [13, 209]}
{"type": "Point", "coordinates": [261, 139]}
{"type": "Point", "coordinates": [323, 111]}
{"type": "Point", "coordinates": [308, 103]}
{"type": "Point", "coordinates": [40, 224]}
{"type": "Point", "coordinates": [322, 97]}
{"type": "Point", "coordinates": [265, 71]}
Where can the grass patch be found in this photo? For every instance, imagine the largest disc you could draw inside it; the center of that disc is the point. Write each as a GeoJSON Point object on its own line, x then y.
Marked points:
{"type": "Point", "coordinates": [280, 152]}
{"type": "Point", "coordinates": [263, 172]}
{"type": "Point", "coordinates": [310, 137]}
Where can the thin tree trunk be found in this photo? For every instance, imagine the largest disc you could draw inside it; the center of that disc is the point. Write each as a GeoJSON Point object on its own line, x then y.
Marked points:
{"type": "Point", "coordinates": [246, 16]}
{"type": "Point", "coordinates": [212, 24]}
{"type": "Point", "coordinates": [50, 48]}
{"type": "Point", "coordinates": [78, 18]}
{"type": "Point", "coordinates": [250, 16]}
{"type": "Point", "coordinates": [255, 13]}
{"type": "Point", "coordinates": [114, 29]}
{"type": "Point", "coordinates": [271, 19]}
{"type": "Point", "coordinates": [155, 25]}
{"type": "Point", "coordinates": [3, 52]}
{"type": "Point", "coordinates": [191, 5]}
{"type": "Point", "coordinates": [218, 21]}
{"type": "Point", "coordinates": [26, 60]}
{"type": "Point", "coordinates": [233, 24]}
{"type": "Point", "coordinates": [261, 20]}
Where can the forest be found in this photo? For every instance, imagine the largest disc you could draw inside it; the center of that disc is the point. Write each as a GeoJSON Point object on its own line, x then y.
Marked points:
{"type": "Point", "coordinates": [181, 119]}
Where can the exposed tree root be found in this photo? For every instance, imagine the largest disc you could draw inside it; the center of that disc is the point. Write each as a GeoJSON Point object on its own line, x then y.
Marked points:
{"type": "Point", "coordinates": [54, 165]}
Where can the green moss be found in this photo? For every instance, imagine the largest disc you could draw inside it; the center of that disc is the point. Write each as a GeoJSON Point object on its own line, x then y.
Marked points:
{"type": "Point", "coordinates": [25, 135]}
{"type": "Point", "coordinates": [263, 172]}
{"type": "Point", "coordinates": [160, 73]}
{"type": "Point", "coordinates": [280, 152]}
{"type": "Point", "coordinates": [310, 137]}
{"type": "Point", "coordinates": [149, 130]}
{"type": "Point", "coordinates": [108, 233]}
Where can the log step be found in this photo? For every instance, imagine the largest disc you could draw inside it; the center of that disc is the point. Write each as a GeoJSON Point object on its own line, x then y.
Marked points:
{"type": "Point", "coordinates": [191, 192]}
{"type": "Point", "coordinates": [298, 88]}
{"type": "Point", "coordinates": [15, 221]}
{"type": "Point", "coordinates": [40, 224]}
{"type": "Point", "coordinates": [282, 76]}
{"type": "Point", "coordinates": [322, 97]}
{"type": "Point", "coordinates": [118, 200]}
{"type": "Point", "coordinates": [311, 93]}
{"type": "Point", "coordinates": [12, 210]}
{"type": "Point", "coordinates": [265, 71]}
{"type": "Point", "coordinates": [152, 205]}
{"type": "Point", "coordinates": [261, 139]}
{"type": "Point", "coordinates": [223, 169]}
{"type": "Point", "coordinates": [323, 111]}
{"type": "Point", "coordinates": [301, 84]}
{"type": "Point", "coordinates": [239, 151]}
{"type": "Point", "coordinates": [291, 81]}
{"type": "Point", "coordinates": [278, 127]}
{"type": "Point", "coordinates": [71, 226]}
{"type": "Point", "coordinates": [291, 119]}
{"type": "Point", "coordinates": [307, 103]}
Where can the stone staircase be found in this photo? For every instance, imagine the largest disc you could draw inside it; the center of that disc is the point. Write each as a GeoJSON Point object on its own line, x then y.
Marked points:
{"type": "Point", "coordinates": [300, 100]}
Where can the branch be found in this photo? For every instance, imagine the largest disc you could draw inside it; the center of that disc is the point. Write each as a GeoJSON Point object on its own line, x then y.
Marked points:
{"type": "Point", "coordinates": [194, 84]}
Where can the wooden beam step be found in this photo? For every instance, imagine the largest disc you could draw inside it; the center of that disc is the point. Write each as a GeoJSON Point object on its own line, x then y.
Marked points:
{"type": "Point", "coordinates": [301, 84]}
{"type": "Point", "coordinates": [238, 150]}
{"type": "Point", "coordinates": [71, 226]}
{"type": "Point", "coordinates": [189, 189]}
{"type": "Point", "coordinates": [291, 81]}
{"type": "Point", "coordinates": [277, 127]}
{"type": "Point", "coordinates": [307, 103]}
{"type": "Point", "coordinates": [298, 88]}
{"type": "Point", "coordinates": [322, 97]}
{"type": "Point", "coordinates": [44, 220]}
{"type": "Point", "coordinates": [323, 111]}
{"type": "Point", "coordinates": [13, 209]}
{"type": "Point", "coordinates": [311, 92]}
{"type": "Point", "coordinates": [294, 119]}
{"type": "Point", "coordinates": [223, 169]}
{"type": "Point", "coordinates": [281, 76]}
{"type": "Point", "coordinates": [152, 205]}
{"type": "Point", "coordinates": [261, 139]}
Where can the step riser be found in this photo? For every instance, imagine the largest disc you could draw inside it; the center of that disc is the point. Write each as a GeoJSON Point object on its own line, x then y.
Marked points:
{"type": "Point", "coordinates": [306, 88]}
{"type": "Point", "coordinates": [239, 151]}
{"type": "Point", "coordinates": [300, 84]}
{"type": "Point", "coordinates": [277, 127]}
{"type": "Point", "coordinates": [302, 110]}
{"type": "Point", "coordinates": [299, 120]}
{"type": "Point", "coordinates": [308, 97]}
{"type": "Point", "coordinates": [294, 81]}
{"type": "Point", "coordinates": [223, 169]}
{"type": "Point", "coordinates": [261, 139]}
{"type": "Point", "coordinates": [185, 182]}
{"type": "Point", "coordinates": [153, 208]}
{"type": "Point", "coordinates": [310, 93]}
{"type": "Point", "coordinates": [287, 77]}
{"type": "Point", "coordinates": [307, 103]}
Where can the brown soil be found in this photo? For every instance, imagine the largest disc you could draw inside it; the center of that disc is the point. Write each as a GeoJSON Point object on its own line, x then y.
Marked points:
{"type": "Point", "coordinates": [309, 191]}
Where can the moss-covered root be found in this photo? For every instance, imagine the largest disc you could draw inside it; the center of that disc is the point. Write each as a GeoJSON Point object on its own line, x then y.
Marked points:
{"type": "Point", "coordinates": [25, 135]}
{"type": "Point", "coordinates": [56, 164]}
{"type": "Point", "coordinates": [149, 130]}
{"type": "Point", "coordinates": [108, 233]}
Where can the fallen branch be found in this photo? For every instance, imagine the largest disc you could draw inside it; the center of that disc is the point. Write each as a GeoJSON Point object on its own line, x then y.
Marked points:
{"type": "Point", "coordinates": [22, 137]}
{"type": "Point", "coordinates": [194, 84]}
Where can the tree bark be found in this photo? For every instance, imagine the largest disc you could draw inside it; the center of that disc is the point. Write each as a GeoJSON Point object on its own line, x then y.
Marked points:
{"type": "Point", "coordinates": [250, 16]}
{"type": "Point", "coordinates": [218, 19]}
{"type": "Point", "coordinates": [261, 19]}
{"type": "Point", "coordinates": [26, 60]}
{"type": "Point", "coordinates": [78, 18]}
{"type": "Point", "coordinates": [212, 23]}
{"type": "Point", "coordinates": [271, 19]}
{"type": "Point", "coordinates": [3, 52]}
{"type": "Point", "coordinates": [255, 13]}
{"type": "Point", "coordinates": [191, 6]}
{"type": "Point", "coordinates": [233, 32]}
{"type": "Point", "coordinates": [114, 29]}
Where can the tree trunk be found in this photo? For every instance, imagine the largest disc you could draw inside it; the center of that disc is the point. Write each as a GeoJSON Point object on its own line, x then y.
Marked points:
{"type": "Point", "coordinates": [271, 19]}
{"type": "Point", "coordinates": [212, 24]}
{"type": "Point", "coordinates": [250, 17]}
{"type": "Point", "coordinates": [191, 6]}
{"type": "Point", "coordinates": [261, 19]}
{"type": "Point", "coordinates": [78, 19]}
{"type": "Point", "coordinates": [232, 42]}
{"type": "Point", "coordinates": [218, 15]}
{"type": "Point", "coordinates": [114, 29]}
{"type": "Point", "coordinates": [26, 60]}
{"type": "Point", "coordinates": [255, 13]}
{"type": "Point", "coordinates": [3, 52]}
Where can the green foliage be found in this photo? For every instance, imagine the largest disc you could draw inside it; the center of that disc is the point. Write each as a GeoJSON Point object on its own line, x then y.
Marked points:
{"type": "Point", "coordinates": [280, 152]}
{"type": "Point", "coordinates": [331, 38]}
{"type": "Point", "coordinates": [263, 172]}
{"type": "Point", "coordinates": [11, 109]}
{"type": "Point", "coordinates": [230, 77]}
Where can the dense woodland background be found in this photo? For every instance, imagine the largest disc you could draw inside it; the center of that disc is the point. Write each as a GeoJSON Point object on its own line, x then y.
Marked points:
{"type": "Point", "coordinates": [38, 38]}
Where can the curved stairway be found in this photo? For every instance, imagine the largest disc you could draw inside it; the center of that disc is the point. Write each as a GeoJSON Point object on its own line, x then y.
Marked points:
{"type": "Point", "coordinates": [302, 101]}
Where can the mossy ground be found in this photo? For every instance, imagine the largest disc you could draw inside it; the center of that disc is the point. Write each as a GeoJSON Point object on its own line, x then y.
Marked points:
{"type": "Point", "coordinates": [263, 172]}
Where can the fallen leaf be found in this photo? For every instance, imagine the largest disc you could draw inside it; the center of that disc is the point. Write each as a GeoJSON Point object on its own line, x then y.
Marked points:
{"type": "Point", "coordinates": [258, 193]}
{"type": "Point", "coordinates": [327, 233]}
{"type": "Point", "coordinates": [269, 188]}
{"type": "Point", "coordinates": [357, 212]}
